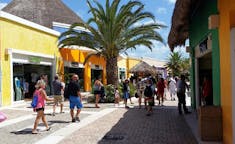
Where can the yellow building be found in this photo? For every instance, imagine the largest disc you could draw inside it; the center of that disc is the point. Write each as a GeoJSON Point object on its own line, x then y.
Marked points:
{"type": "Point", "coordinates": [27, 51]}
{"type": "Point", "coordinates": [28, 44]}
{"type": "Point", "coordinates": [227, 67]}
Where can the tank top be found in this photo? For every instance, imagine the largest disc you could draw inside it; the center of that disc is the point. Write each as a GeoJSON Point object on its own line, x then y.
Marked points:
{"type": "Point", "coordinates": [41, 100]}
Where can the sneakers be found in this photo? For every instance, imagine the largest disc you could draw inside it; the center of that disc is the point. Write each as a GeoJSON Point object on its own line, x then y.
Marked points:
{"type": "Point", "coordinates": [73, 120]}
{"type": "Point", "coordinates": [77, 119]}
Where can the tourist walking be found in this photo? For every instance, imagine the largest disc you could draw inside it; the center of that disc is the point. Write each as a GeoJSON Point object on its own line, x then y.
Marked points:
{"type": "Point", "coordinates": [172, 88]}
{"type": "Point", "coordinates": [160, 91]}
{"type": "Point", "coordinates": [117, 97]}
{"type": "Point", "coordinates": [75, 98]}
{"type": "Point", "coordinates": [140, 90]}
{"type": "Point", "coordinates": [41, 98]}
{"type": "Point", "coordinates": [125, 90]}
{"type": "Point", "coordinates": [181, 88]}
{"type": "Point", "coordinates": [57, 94]}
{"type": "Point", "coordinates": [149, 93]}
{"type": "Point", "coordinates": [97, 91]}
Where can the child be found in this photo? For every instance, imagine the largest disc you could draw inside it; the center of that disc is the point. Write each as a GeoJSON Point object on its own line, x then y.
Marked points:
{"type": "Point", "coordinates": [117, 96]}
{"type": "Point", "coordinates": [42, 97]}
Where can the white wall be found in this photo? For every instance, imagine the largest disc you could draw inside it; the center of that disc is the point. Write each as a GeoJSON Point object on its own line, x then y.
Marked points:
{"type": "Point", "coordinates": [232, 40]}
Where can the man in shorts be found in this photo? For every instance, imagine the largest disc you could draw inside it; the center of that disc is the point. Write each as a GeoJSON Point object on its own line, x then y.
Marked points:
{"type": "Point", "coordinates": [75, 98]}
{"type": "Point", "coordinates": [58, 97]}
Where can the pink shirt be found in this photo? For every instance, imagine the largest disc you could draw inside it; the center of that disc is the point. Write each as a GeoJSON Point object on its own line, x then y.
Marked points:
{"type": "Point", "coordinates": [41, 100]}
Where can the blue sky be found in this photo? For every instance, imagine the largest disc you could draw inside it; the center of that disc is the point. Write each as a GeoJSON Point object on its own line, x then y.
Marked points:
{"type": "Point", "coordinates": [162, 9]}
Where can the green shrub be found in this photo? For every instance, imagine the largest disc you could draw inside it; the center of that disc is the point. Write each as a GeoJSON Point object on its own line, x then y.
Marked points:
{"type": "Point", "coordinates": [109, 93]}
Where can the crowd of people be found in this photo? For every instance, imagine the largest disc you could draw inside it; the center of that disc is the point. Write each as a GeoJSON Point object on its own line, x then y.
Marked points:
{"type": "Point", "coordinates": [146, 90]}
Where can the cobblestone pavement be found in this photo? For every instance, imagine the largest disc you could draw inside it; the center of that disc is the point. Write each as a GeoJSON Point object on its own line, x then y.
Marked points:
{"type": "Point", "coordinates": [106, 125]}
{"type": "Point", "coordinates": [132, 126]}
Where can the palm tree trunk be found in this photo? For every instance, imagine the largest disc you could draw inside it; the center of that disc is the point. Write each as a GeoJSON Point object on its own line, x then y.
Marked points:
{"type": "Point", "coordinates": [112, 71]}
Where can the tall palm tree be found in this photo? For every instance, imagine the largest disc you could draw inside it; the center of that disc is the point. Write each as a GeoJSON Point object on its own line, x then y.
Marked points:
{"type": "Point", "coordinates": [174, 63]}
{"type": "Point", "coordinates": [185, 65]}
{"type": "Point", "coordinates": [112, 30]}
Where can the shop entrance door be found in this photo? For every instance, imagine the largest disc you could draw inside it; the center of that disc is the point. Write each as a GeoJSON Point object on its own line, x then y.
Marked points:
{"type": "Point", "coordinates": [205, 80]}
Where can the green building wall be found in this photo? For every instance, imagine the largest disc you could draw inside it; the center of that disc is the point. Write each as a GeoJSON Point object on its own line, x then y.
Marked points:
{"type": "Point", "coordinates": [198, 31]}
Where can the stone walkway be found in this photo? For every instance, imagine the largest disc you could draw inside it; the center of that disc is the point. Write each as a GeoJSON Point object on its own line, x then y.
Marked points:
{"type": "Point", "coordinates": [106, 125]}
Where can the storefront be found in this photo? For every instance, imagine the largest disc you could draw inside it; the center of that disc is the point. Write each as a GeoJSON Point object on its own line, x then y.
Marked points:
{"type": "Point", "coordinates": [71, 68]}
{"type": "Point", "coordinates": [28, 50]}
{"type": "Point", "coordinates": [26, 69]}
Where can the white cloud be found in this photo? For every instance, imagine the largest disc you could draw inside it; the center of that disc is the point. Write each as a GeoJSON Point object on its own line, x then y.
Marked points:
{"type": "Point", "coordinates": [2, 5]}
{"type": "Point", "coordinates": [171, 1]}
{"type": "Point", "coordinates": [159, 52]}
{"type": "Point", "coordinates": [161, 10]}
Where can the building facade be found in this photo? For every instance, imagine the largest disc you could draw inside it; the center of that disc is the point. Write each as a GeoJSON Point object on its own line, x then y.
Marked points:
{"type": "Point", "coordinates": [28, 50]}
{"type": "Point", "coordinates": [210, 29]}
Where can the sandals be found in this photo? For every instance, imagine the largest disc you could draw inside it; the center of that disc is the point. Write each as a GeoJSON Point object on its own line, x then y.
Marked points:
{"type": "Point", "coordinates": [48, 128]}
{"type": "Point", "coordinates": [34, 132]}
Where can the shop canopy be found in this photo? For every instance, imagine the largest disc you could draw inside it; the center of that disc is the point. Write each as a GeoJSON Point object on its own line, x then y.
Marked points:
{"type": "Point", "coordinates": [143, 68]}
{"type": "Point", "coordinates": [179, 32]}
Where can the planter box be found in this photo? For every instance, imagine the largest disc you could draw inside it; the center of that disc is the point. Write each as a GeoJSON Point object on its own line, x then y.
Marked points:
{"type": "Point", "coordinates": [210, 123]}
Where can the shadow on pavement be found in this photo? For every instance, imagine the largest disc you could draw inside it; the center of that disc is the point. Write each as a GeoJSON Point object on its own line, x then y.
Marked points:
{"type": "Point", "coordinates": [164, 126]}
{"type": "Point", "coordinates": [23, 132]}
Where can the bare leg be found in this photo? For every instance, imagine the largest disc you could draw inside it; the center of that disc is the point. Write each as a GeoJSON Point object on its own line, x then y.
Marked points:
{"type": "Point", "coordinates": [61, 107]}
{"type": "Point", "coordinates": [39, 115]}
{"type": "Point", "coordinates": [78, 112]}
{"type": "Point", "coordinates": [44, 121]}
{"type": "Point", "coordinates": [97, 98]}
{"type": "Point", "coordinates": [140, 101]}
{"type": "Point", "coordinates": [72, 113]}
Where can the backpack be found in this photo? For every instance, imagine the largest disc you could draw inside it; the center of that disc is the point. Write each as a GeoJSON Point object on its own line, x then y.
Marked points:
{"type": "Point", "coordinates": [34, 101]}
{"type": "Point", "coordinates": [96, 87]}
{"type": "Point", "coordinates": [148, 92]}
{"type": "Point", "coordinates": [66, 92]}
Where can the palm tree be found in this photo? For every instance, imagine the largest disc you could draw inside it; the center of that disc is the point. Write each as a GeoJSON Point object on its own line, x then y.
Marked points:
{"type": "Point", "coordinates": [185, 65]}
{"type": "Point", "coordinates": [112, 30]}
{"type": "Point", "coordinates": [174, 63]}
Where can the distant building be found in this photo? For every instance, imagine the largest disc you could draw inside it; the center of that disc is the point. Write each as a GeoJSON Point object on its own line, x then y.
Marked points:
{"type": "Point", "coordinates": [29, 35]}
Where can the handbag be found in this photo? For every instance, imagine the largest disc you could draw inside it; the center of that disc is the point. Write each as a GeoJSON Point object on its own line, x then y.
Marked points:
{"type": "Point", "coordinates": [136, 95]}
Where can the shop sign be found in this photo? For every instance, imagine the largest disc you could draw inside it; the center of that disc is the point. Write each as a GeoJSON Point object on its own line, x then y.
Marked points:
{"type": "Point", "coordinates": [74, 64]}
{"type": "Point", "coordinates": [203, 48]}
{"type": "Point", "coordinates": [33, 59]}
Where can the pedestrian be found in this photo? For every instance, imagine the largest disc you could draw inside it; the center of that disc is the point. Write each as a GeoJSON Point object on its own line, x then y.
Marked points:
{"type": "Point", "coordinates": [172, 88]}
{"type": "Point", "coordinates": [125, 89]}
{"type": "Point", "coordinates": [117, 96]}
{"type": "Point", "coordinates": [149, 93]}
{"type": "Point", "coordinates": [181, 88]}
{"type": "Point", "coordinates": [165, 89]}
{"type": "Point", "coordinates": [207, 97]}
{"type": "Point", "coordinates": [160, 91]}
{"type": "Point", "coordinates": [58, 96]}
{"type": "Point", "coordinates": [75, 97]}
{"type": "Point", "coordinates": [140, 90]}
{"type": "Point", "coordinates": [42, 97]}
{"type": "Point", "coordinates": [97, 91]}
